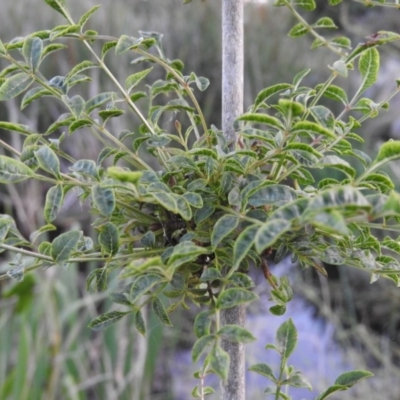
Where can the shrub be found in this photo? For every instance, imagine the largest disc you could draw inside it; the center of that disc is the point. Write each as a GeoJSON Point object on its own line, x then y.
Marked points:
{"type": "Point", "coordinates": [188, 224]}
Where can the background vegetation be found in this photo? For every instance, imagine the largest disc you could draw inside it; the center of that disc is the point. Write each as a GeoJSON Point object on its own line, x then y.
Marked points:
{"type": "Point", "coordinates": [47, 352]}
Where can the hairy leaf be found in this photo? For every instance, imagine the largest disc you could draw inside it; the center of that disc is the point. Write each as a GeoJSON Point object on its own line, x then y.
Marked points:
{"type": "Point", "coordinates": [105, 320]}
{"type": "Point", "coordinates": [12, 170]}
{"type": "Point", "coordinates": [269, 233]}
{"type": "Point", "coordinates": [223, 228]}
{"type": "Point", "coordinates": [286, 338]}
{"type": "Point", "coordinates": [63, 245]}
{"type": "Point", "coordinates": [15, 85]}
{"type": "Point", "coordinates": [54, 199]}
{"type": "Point", "coordinates": [368, 66]}
{"type": "Point", "coordinates": [233, 297]}
{"type": "Point", "coordinates": [109, 238]}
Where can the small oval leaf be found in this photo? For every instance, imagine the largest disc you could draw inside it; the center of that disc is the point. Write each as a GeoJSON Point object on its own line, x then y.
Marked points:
{"type": "Point", "coordinates": [105, 320]}
{"type": "Point", "coordinates": [109, 239]}
{"type": "Point", "coordinates": [54, 199]}
{"type": "Point", "coordinates": [63, 245]}
{"type": "Point", "coordinates": [233, 297]}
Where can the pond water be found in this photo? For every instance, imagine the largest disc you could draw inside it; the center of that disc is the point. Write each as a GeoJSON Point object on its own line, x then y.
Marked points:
{"type": "Point", "coordinates": [317, 354]}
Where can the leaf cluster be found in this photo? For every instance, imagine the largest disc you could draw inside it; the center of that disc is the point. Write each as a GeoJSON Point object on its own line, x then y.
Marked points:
{"type": "Point", "coordinates": [189, 230]}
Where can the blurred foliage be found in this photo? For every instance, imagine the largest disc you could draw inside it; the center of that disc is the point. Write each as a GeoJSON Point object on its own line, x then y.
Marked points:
{"type": "Point", "coordinates": [47, 352]}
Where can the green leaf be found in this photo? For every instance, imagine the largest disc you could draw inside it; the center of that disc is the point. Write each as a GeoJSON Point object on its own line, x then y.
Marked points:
{"type": "Point", "coordinates": [210, 274]}
{"type": "Point", "coordinates": [349, 379]}
{"type": "Point", "coordinates": [299, 77]}
{"type": "Point", "coordinates": [54, 199]}
{"type": "Point", "coordinates": [223, 228]}
{"type": "Point", "coordinates": [63, 120]}
{"type": "Point", "coordinates": [98, 100]}
{"type": "Point", "coordinates": [202, 83]}
{"type": "Point", "coordinates": [82, 66]}
{"type": "Point", "coordinates": [218, 360]}
{"type": "Point", "coordinates": [340, 164]}
{"type": "Point", "coordinates": [139, 323]}
{"type": "Point", "coordinates": [85, 17]}
{"type": "Point", "coordinates": [388, 152]}
{"type": "Point", "coordinates": [333, 255]}
{"type": "Point", "coordinates": [323, 116]}
{"type": "Point", "coordinates": [234, 297]}
{"type": "Point", "coordinates": [63, 245]}
{"type": "Point", "coordinates": [304, 153]}
{"type": "Point", "coordinates": [270, 91]}
{"type": "Point", "coordinates": [236, 334]}
{"type": "Point", "coordinates": [32, 51]}
{"type": "Point", "coordinates": [104, 199]}
{"type": "Point", "coordinates": [48, 161]}
{"type": "Point", "coordinates": [107, 47]}
{"type": "Point", "coordinates": [105, 320]}
{"type": "Point", "coordinates": [271, 195]}
{"type": "Point", "coordinates": [142, 285]}
{"type": "Point", "coordinates": [15, 85]}
{"type": "Point", "coordinates": [167, 200]}
{"type": "Point", "coordinates": [97, 280]}
{"type": "Point", "coordinates": [124, 175]}
{"type": "Point", "coordinates": [203, 213]}
{"type": "Point", "coordinates": [12, 170]}
{"type": "Point", "coordinates": [184, 208]}
{"type": "Point", "coordinates": [76, 104]}
{"type": "Point", "coordinates": [12, 126]}
{"type": "Point", "coordinates": [51, 48]}
{"type": "Point", "coordinates": [331, 390]}
{"type": "Point", "coordinates": [262, 119]}
{"type": "Point", "coordinates": [298, 30]}
{"type": "Point", "coordinates": [286, 338]}
{"type": "Point", "coordinates": [202, 324]}
{"type": "Point", "coordinates": [334, 93]}
{"type": "Point", "coordinates": [342, 41]}
{"type": "Point", "coordinates": [159, 311]}
{"type": "Point", "coordinates": [137, 95]}
{"type": "Point", "coordinates": [86, 168]}
{"type": "Point", "coordinates": [133, 80]}
{"type": "Point", "coordinates": [308, 5]}
{"type": "Point", "coordinates": [330, 222]}
{"type": "Point", "coordinates": [80, 123]}
{"type": "Point", "coordinates": [126, 43]}
{"type": "Point", "coordinates": [243, 244]}
{"type": "Point", "coordinates": [194, 199]}
{"type": "Point", "coordinates": [109, 239]}
{"type": "Point", "coordinates": [59, 6]}
{"type": "Point", "coordinates": [34, 94]}
{"type": "Point", "coordinates": [63, 31]}
{"type": "Point", "coordinates": [5, 225]}
{"type": "Point", "coordinates": [312, 128]}
{"type": "Point", "coordinates": [241, 280]}
{"type": "Point", "coordinates": [368, 66]}
{"type": "Point", "coordinates": [269, 233]}
{"type": "Point", "coordinates": [3, 50]}
{"type": "Point", "coordinates": [325, 22]}
{"type": "Point", "coordinates": [200, 346]}
{"type": "Point", "coordinates": [298, 380]}
{"type": "Point", "coordinates": [120, 298]}
{"type": "Point", "coordinates": [278, 310]}
{"type": "Point", "coordinates": [264, 370]}
{"type": "Point", "coordinates": [185, 252]}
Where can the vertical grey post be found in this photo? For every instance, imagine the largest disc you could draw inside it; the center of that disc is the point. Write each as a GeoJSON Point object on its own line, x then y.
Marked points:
{"type": "Point", "coordinates": [232, 65]}
{"type": "Point", "coordinates": [232, 107]}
